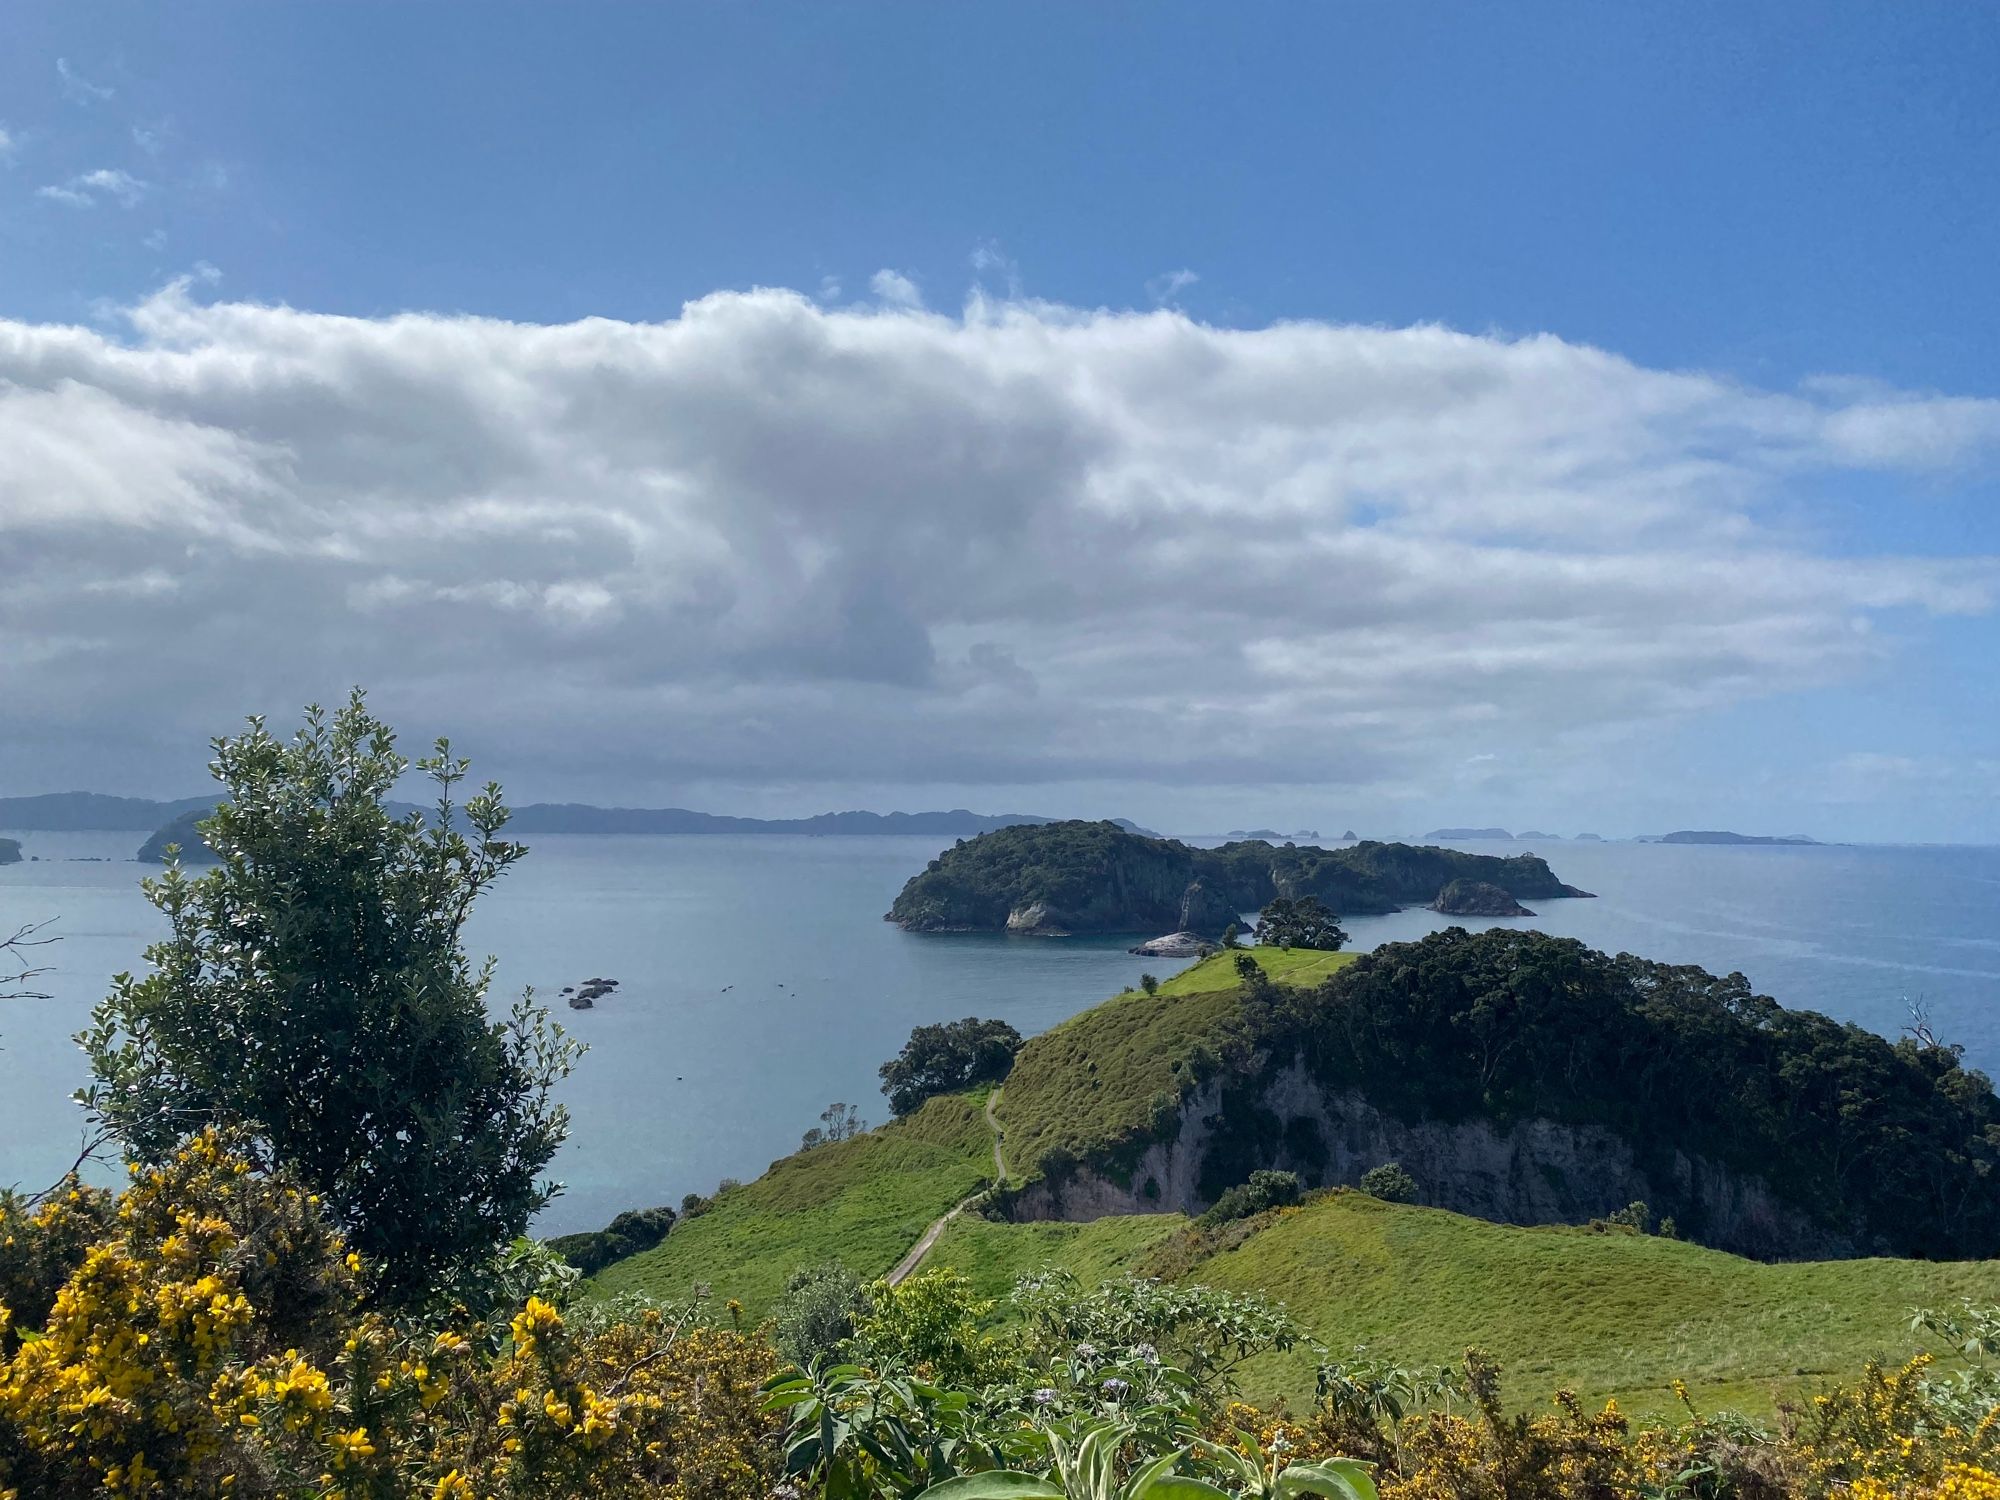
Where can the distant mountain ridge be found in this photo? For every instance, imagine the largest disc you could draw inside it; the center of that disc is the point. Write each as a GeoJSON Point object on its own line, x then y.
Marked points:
{"type": "Point", "coordinates": [91, 812]}
{"type": "Point", "coordinates": [539, 818]}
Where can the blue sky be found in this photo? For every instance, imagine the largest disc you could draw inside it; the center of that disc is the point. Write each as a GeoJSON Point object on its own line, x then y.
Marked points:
{"type": "Point", "coordinates": [1791, 202]}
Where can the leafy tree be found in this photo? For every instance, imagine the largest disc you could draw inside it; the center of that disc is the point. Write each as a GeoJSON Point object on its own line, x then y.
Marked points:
{"type": "Point", "coordinates": [1303, 922]}
{"type": "Point", "coordinates": [1149, 984]}
{"type": "Point", "coordinates": [313, 991]}
{"type": "Point", "coordinates": [947, 1057]}
{"type": "Point", "coordinates": [1232, 936]}
{"type": "Point", "coordinates": [932, 1324]}
{"type": "Point", "coordinates": [1389, 1182]}
{"type": "Point", "coordinates": [837, 1122]}
{"type": "Point", "coordinates": [816, 1316]}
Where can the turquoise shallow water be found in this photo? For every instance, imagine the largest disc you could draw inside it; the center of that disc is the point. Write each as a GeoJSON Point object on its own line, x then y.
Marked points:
{"type": "Point", "coordinates": [759, 983]}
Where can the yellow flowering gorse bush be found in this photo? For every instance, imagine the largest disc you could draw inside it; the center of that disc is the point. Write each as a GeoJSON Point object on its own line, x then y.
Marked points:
{"type": "Point", "coordinates": [209, 1335]}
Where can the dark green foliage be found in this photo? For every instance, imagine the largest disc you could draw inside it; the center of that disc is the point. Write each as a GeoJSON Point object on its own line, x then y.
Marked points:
{"type": "Point", "coordinates": [1232, 936]}
{"type": "Point", "coordinates": [694, 1205]}
{"type": "Point", "coordinates": [1265, 1189]}
{"type": "Point", "coordinates": [816, 1316]}
{"type": "Point", "coordinates": [1389, 1182]}
{"type": "Point", "coordinates": [1097, 877]}
{"type": "Point", "coordinates": [1301, 923]}
{"type": "Point", "coordinates": [837, 1122]}
{"type": "Point", "coordinates": [313, 988]}
{"type": "Point", "coordinates": [1891, 1147]}
{"type": "Point", "coordinates": [632, 1231]}
{"type": "Point", "coordinates": [948, 1058]}
{"type": "Point", "coordinates": [1149, 983]}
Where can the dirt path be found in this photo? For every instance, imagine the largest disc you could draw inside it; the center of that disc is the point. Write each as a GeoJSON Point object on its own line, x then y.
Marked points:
{"type": "Point", "coordinates": [931, 1235]}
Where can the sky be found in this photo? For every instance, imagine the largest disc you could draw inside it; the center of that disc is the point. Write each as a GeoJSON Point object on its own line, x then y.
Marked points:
{"type": "Point", "coordinates": [1570, 417]}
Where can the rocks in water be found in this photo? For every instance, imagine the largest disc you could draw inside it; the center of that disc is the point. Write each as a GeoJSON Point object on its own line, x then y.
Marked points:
{"type": "Point", "coordinates": [1476, 898]}
{"type": "Point", "coordinates": [586, 995]}
{"type": "Point", "coordinates": [1350, 837]}
{"type": "Point", "coordinates": [1175, 945]}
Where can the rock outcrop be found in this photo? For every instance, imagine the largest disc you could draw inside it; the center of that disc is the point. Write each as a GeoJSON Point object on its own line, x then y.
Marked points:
{"type": "Point", "coordinates": [1475, 898]}
{"type": "Point", "coordinates": [10, 851]}
{"type": "Point", "coordinates": [1175, 945]}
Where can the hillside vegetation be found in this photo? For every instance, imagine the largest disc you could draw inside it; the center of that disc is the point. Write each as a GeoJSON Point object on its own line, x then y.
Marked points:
{"type": "Point", "coordinates": [1098, 877]}
{"type": "Point", "coordinates": [1095, 1085]}
{"type": "Point", "coordinates": [862, 1202]}
{"type": "Point", "coordinates": [1607, 1314]}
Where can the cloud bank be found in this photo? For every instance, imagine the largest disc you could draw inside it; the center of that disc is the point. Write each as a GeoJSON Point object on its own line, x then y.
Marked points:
{"type": "Point", "coordinates": [1024, 544]}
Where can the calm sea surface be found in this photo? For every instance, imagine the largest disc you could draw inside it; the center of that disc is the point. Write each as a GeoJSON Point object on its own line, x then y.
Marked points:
{"type": "Point", "coordinates": [758, 982]}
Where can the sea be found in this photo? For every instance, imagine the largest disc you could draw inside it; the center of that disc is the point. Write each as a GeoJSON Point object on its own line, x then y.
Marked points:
{"type": "Point", "coordinates": [758, 983]}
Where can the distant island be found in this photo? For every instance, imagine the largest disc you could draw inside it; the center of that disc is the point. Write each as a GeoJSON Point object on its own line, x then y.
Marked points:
{"type": "Point", "coordinates": [1589, 838]}
{"type": "Point", "coordinates": [1271, 834]}
{"type": "Point", "coordinates": [576, 817]}
{"type": "Point", "coordinates": [1536, 833]}
{"type": "Point", "coordinates": [1055, 879]}
{"type": "Point", "coordinates": [1468, 833]}
{"type": "Point", "coordinates": [10, 851]}
{"type": "Point", "coordinates": [1720, 836]}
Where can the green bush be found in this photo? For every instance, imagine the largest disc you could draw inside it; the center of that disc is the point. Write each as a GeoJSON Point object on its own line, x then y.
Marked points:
{"type": "Point", "coordinates": [1390, 1183]}
{"type": "Point", "coordinates": [1265, 1189]}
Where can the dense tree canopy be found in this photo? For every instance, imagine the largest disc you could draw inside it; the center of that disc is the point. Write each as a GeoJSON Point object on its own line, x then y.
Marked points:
{"type": "Point", "coordinates": [1301, 923]}
{"type": "Point", "coordinates": [1895, 1145]}
{"type": "Point", "coordinates": [947, 1057]}
{"type": "Point", "coordinates": [313, 989]}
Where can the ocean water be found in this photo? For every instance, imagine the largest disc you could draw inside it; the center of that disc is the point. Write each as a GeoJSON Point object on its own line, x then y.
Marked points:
{"type": "Point", "coordinates": [758, 982]}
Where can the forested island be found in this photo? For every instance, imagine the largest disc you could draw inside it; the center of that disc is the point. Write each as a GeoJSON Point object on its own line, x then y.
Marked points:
{"type": "Point", "coordinates": [10, 851]}
{"type": "Point", "coordinates": [1074, 877]}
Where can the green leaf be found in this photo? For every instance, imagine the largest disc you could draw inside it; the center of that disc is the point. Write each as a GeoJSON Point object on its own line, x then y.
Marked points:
{"type": "Point", "coordinates": [1340, 1478]}
{"type": "Point", "coordinates": [999, 1484]}
{"type": "Point", "coordinates": [1180, 1487]}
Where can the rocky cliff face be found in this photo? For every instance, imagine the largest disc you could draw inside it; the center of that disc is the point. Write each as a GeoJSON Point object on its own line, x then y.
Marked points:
{"type": "Point", "coordinates": [1536, 1171]}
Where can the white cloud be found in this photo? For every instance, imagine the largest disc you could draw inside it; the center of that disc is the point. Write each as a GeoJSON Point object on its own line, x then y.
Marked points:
{"type": "Point", "coordinates": [78, 89]}
{"type": "Point", "coordinates": [152, 139]}
{"type": "Point", "coordinates": [896, 289]}
{"type": "Point", "coordinates": [1163, 289]}
{"type": "Point", "coordinates": [8, 146]}
{"type": "Point", "coordinates": [773, 540]}
{"type": "Point", "coordinates": [88, 189]}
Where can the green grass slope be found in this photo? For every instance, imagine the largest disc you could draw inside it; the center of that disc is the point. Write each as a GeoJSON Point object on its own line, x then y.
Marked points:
{"type": "Point", "coordinates": [1604, 1314]}
{"type": "Point", "coordinates": [862, 1202]}
{"type": "Point", "coordinates": [1089, 1084]}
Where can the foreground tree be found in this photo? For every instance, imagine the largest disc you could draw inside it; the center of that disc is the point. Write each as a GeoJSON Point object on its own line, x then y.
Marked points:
{"type": "Point", "coordinates": [314, 992]}
{"type": "Point", "coordinates": [1301, 923]}
{"type": "Point", "coordinates": [946, 1058]}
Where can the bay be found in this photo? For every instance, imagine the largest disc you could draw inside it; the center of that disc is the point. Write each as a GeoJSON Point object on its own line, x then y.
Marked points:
{"type": "Point", "coordinates": [758, 983]}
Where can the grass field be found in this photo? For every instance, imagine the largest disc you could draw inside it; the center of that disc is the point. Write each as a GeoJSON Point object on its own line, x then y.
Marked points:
{"type": "Point", "coordinates": [862, 1202]}
{"type": "Point", "coordinates": [1603, 1314]}
{"type": "Point", "coordinates": [1091, 1081]}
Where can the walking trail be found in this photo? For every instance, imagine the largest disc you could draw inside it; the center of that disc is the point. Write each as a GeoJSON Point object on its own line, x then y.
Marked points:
{"type": "Point", "coordinates": [930, 1237]}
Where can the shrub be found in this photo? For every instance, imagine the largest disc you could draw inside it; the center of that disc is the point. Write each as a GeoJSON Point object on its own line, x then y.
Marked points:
{"type": "Point", "coordinates": [630, 1232]}
{"type": "Point", "coordinates": [930, 1324]}
{"type": "Point", "coordinates": [948, 1058]}
{"type": "Point", "coordinates": [816, 1316]}
{"type": "Point", "coordinates": [837, 1122]}
{"type": "Point", "coordinates": [1265, 1190]}
{"type": "Point", "coordinates": [313, 989]}
{"type": "Point", "coordinates": [1389, 1182]}
{"type": "Point", "coordinates": [211, 1339]}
